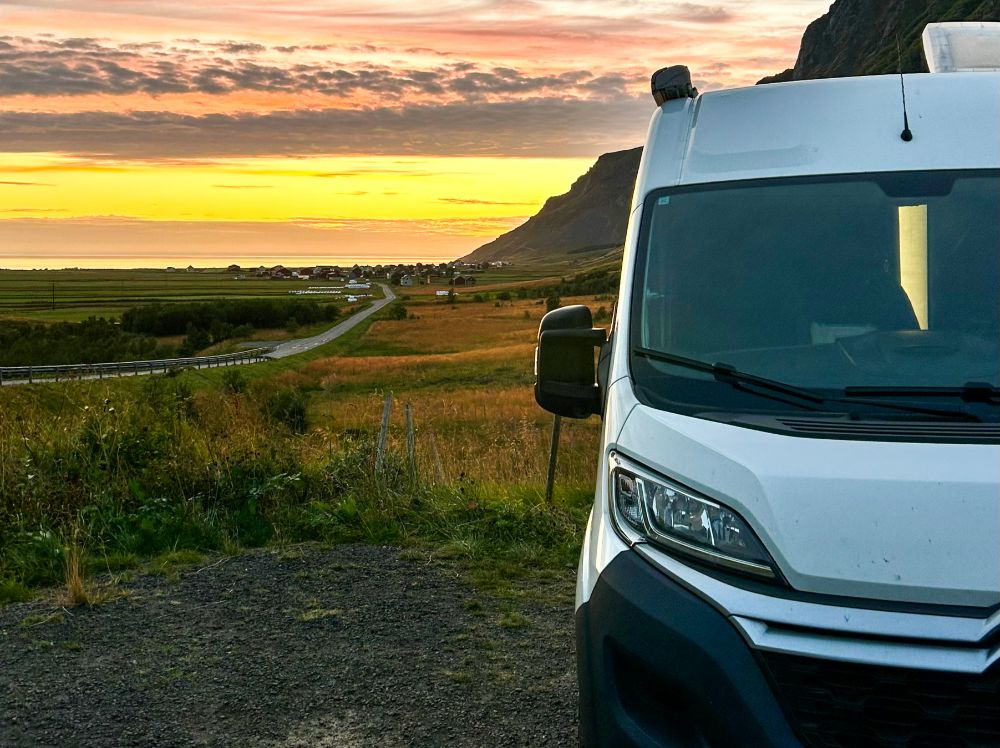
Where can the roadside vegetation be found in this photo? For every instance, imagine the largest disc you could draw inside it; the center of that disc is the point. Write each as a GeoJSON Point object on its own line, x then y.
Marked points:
{"type": "Point", "coordinates": [155, 331]}
{"type": "Point", "coordinates": [103, 476]}
{"type": "Point", "coordinates": [87, 342]}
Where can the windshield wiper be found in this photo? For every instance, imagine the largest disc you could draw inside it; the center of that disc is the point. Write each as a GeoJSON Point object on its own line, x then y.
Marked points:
{"type": "Point", "coordinates": [728, 374]}
{"type": "Point", "coordinates": [971, 392]}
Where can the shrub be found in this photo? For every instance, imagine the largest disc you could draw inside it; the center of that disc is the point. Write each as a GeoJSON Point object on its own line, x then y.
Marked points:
{"type": "Point", "coordinates": [233, 380]}
{"type": "Point", "coordinates": [12, 591]}
{"type": "Point", "coordinates": [288, 406]}
{"type": "Point", "coordinates": [397, 312]}
{"type": "Point", "coordinates": [552, 302]}
{"type": "Point", "coordinates": [35, 558]}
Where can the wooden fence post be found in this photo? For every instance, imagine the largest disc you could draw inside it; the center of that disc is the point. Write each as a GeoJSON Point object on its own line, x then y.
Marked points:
{"type": "Point", "coordinates": [553, 453]}
{"type": "Point", "coordinates": [438, 469]}
{"type": "Point", "coordinates": [411, 443]}
{"type": "Point", "coordinates": [383, 433]}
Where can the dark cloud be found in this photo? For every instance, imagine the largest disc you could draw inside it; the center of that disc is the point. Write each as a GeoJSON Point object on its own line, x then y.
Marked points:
{"type": "Point", "coordinates": [469, 201]}
{"type": "Point", "coordinates": [540, 126]}
{"type": "Point", "coordinates": [71, 67]}
{"type": "Point", "coordinates": [700, 13]}
{"type": "Point", "coordinates": [27, 184]}
{"type": "Point", "coordinates": [244, 186]}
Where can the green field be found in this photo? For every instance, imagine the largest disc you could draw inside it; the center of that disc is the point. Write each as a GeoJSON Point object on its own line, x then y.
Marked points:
{"type": "Point", "coordinates": [74, 295]}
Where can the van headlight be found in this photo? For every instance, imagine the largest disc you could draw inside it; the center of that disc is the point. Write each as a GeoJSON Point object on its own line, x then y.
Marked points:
{"type": "Point", "coordinates": [652, 508]}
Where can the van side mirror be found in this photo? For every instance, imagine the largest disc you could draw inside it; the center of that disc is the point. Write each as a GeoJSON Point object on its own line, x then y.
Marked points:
{"type": "Point", "coordinates": [565, 375]}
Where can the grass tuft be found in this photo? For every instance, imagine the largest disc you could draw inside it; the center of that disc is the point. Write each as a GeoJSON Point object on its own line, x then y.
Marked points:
{"type": "Point", "coordinates": [318, 614]}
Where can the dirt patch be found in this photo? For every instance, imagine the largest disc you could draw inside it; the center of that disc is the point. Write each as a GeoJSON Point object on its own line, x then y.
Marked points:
{"type": "Point", "coordinates": [346, 646]}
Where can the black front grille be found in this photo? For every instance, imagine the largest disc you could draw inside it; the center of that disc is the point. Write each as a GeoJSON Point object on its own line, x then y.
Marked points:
{"type": "Point", "coordinates": [836, 704]}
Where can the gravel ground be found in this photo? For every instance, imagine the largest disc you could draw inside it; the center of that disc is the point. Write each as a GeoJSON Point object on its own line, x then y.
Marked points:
{"type": "Point", "coordinates": [304, 647]}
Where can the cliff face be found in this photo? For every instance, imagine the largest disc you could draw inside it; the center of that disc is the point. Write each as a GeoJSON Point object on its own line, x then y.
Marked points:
{"type": "Point", "coordinates": [591, 217]}
{"type": "Point", "coordinates": [859, 37]}
{"type": "Point", "coordinates": [856, 37]}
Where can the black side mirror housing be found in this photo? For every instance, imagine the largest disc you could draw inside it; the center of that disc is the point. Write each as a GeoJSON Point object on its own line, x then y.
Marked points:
{"type": "Point", "coordinates": [565, 374]}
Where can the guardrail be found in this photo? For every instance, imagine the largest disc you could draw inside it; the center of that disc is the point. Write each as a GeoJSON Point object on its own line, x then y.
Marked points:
{"type": "Point", "coordinates": [32, 374]}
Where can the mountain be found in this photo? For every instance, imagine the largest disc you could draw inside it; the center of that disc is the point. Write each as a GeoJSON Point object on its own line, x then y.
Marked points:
{"type": "Point", "coordinates": [859, 37]}
{"type": "Point", "coordinates": [589, 218]}
{"type": "Point", "coordinates": [856, 37]}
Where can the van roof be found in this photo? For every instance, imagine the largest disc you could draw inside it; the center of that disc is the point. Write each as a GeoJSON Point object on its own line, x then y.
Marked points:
{"type": "Point", "coordinates": [833, 126]}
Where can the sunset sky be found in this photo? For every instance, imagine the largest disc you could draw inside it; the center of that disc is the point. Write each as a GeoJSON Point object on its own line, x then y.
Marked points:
{"type": "Point", "coordinates": [149, 132]}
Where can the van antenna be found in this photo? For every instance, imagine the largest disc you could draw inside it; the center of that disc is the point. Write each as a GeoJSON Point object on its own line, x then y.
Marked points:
{"type": "Point", "coordinates": [907, 134]}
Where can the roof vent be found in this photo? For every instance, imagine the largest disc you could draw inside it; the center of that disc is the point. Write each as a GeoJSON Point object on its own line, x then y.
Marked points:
{"type": "Point", "coordinates": [673, 83]}
{"type": "Point", "coordinates": [962, 47]}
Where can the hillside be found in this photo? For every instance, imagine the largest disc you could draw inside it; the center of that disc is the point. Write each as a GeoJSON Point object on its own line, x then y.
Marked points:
{"type": "Point", "coordinates": [591, 217]}
{"type": "Point", "coordinates": [856, 37]}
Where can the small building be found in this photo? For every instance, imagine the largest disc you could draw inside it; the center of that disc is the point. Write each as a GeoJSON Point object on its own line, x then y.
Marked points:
{"type": "Point", "coordinates": [233, 269]}
{"type": "Point", "coordinates": [407, 280]}
{"type": "Point", "coordinates": [463, 280]}
{"type": "Point", "coordinates": [171, 270]}
{"type": "Point", "coordinates": [191, 269]}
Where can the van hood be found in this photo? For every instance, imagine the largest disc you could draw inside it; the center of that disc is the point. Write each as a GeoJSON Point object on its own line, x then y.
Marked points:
{"type": "Point", "coordinates": [910, 522]}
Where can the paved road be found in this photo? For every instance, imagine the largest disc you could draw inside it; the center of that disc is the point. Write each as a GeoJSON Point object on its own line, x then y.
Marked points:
{"type": "Point", "coordinates": [287, 348]}
{"type": "Point", "coordinates": [291, 347]}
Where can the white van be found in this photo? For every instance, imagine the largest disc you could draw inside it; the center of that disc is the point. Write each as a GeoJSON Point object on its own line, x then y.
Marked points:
{"type": "Point", "coordinates": [796, 532]}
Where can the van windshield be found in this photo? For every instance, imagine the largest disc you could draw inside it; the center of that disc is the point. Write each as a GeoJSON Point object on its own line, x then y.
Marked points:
{"type": "Point", "coordinates": [883, 281]}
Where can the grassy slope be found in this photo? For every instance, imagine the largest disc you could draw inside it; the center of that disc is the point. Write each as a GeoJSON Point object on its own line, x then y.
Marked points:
{"type": "Point", "coordinates": [83, 293]}
{"type": "Point", "coordinates": [278, 452]}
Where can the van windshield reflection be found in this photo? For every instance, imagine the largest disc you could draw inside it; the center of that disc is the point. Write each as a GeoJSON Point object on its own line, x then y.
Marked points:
{"type": "Point", "coordinates": [885, 281]}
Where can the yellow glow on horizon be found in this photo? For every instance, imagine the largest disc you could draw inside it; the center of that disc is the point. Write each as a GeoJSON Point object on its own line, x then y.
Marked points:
{"type": "Point", "coordinates": [375, 188]}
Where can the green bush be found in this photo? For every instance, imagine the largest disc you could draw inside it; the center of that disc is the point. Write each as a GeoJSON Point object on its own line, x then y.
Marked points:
{"type": "Point", "coordinates": [233, 380]}
{"type": "Point", "coordinates": [12, 591]}
{"type": "Point", "coordinates": [288, 406]}
{"type": "Point", "coordinates": [34, 557]}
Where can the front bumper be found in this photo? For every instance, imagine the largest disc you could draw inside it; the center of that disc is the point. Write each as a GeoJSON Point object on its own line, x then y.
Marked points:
{"type": "Point", "coordinates": [660, 666]}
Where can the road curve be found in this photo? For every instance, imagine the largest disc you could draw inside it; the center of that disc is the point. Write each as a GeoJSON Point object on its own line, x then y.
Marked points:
{"type": "Point", "coordinates": [282, 350]}
{"type": "Point", "coordinates": [292, 347]}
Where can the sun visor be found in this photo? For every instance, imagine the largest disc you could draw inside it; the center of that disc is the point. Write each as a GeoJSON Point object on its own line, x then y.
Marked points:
{"type": "Point", "coordinates": [962, 47]}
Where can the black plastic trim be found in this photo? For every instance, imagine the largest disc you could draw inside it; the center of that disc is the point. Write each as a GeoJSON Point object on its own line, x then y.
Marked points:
{"type": "Point", "coordinates": [988, 433]}
{"type": "Point", "coordinates": [658, 666]}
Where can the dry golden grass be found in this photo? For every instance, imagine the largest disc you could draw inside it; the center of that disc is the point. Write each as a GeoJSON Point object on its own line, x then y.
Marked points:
{"type": "Point", "coordinates": [497, 436]}
{"type": "Point", "coordinates": [468, 381]}
{"type": "Point", "coordinates": [78, 591]}
{"type": "Point", "coordinates": [447, 328]}
{"type": "Point", "coordinates": [410, 371]}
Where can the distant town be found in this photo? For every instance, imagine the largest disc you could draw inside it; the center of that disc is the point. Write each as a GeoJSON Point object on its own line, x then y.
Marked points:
{"type": "Point", "coordinates": [453, 273]}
